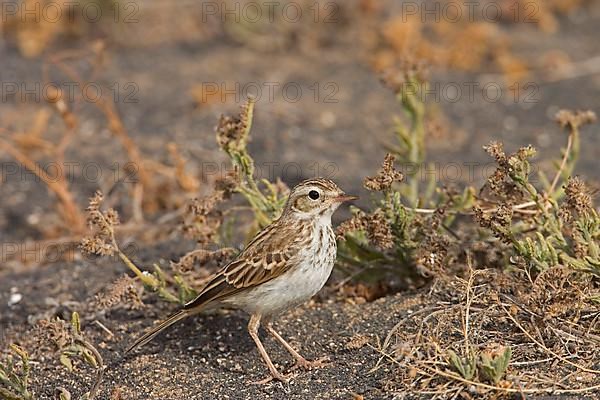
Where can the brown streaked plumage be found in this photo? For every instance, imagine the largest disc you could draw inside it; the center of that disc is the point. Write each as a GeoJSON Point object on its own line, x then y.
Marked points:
{"type": "Point", "coordinates": [283, 266]}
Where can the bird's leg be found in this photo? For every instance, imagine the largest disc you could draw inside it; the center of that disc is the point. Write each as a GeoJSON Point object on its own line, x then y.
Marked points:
{"type": "Point", "coordinates": [253, 330]}
{"type": "Point", "coordinates": [301, 362]}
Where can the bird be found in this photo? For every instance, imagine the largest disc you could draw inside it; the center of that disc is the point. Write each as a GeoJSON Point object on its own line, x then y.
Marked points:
{"type": "Point", "coordinates": [282, 267]}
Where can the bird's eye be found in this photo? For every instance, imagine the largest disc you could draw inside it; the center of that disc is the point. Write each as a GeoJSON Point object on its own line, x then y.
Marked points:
{"type": "Point", "coordinates": [313, 194]}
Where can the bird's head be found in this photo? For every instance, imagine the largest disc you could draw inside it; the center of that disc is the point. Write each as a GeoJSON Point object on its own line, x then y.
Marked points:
{"type": "Point", "coordinates": [314, 198]}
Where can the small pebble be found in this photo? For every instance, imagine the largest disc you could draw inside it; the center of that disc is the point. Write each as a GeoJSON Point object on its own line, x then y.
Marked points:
{"type": "Point", "coordinates": [327, 119]}
{"type": "Point", "coordinates": [15, 297]}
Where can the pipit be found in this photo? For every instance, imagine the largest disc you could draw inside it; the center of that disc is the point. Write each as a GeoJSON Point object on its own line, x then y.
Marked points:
{"type": "Point", "coordinates": [282, 267]}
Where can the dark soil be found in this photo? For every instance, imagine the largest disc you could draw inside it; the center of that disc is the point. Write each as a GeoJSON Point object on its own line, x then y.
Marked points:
{"type": "Point", "coordinates": [210, 356]}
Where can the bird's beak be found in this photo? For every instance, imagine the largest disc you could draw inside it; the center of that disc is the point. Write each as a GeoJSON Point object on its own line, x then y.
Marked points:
{"type": "Point", "coordinates": [344, 197]}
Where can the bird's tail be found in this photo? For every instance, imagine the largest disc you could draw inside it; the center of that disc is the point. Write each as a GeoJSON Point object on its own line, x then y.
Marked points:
{"type": "Point", "coordinates": [179, 315]}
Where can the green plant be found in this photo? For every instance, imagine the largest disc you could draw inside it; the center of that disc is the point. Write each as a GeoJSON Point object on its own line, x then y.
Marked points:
{"type": "Point", "coordinates": [493, 365]}
{"type": "Point", "coordinates": [397, 236]}
{"type": "Point", "coordinates": [72, 346]}
{"type": "Point", "coordinates": [465, 366]}
{"type": "Point", "coordinates": [14, 383]}
{"type": "Point", "coordinates": [545, 225]}
{"type": "Point", "coordinates": [79, 347]}
{"type": "Point", "coordinates": [409, 85]}
{"type": "Point", "coordinates": [556, 225]}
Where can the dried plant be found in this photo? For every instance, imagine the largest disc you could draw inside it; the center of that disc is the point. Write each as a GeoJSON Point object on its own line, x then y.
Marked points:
{"type": "Point", "coordinates": [462, 43]}
{"type": "Point", "coordinates": [122, 291]}
{"type": "Point", "coordinates": [397, 236]}
{"type": "Point", "coordinates": [232, 136]}
{"type": "Point", "coordinates": [203, 220]}
{"type": "Point", "coordinates": [103, 242]}
{"type": "Point", "coordinates": [448, 344]}
{"type": "Point", "coordinates": [25, 149]}
{"type": "Point", "coordinates": [386, 176]}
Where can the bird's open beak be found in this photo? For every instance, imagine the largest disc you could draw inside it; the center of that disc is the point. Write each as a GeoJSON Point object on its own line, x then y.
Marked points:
{"type": "Point", "coordinates": [345, 197]}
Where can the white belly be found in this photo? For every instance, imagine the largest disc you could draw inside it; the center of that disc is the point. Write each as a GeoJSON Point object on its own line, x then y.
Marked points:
{"type": "Point", "coordinates": [294, 287]}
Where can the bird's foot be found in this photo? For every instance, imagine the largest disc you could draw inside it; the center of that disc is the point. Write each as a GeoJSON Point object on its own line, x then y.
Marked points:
{"type": "Point", "coordinates": [275, 376]}
{"type": "Point", "coordinates": [303, 363]}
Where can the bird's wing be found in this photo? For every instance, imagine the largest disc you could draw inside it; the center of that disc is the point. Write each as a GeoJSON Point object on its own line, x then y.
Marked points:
{"type": "Point", "coordinates": [267, 256]}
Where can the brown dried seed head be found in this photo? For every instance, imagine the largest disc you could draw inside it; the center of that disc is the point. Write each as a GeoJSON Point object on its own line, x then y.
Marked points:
{"type": "Point", "coordinates": [483, 219]}
{"type": "Point", "coordinates": [379, 231]}
{"type": "Point", "coordinates": [228, 183]}
{"type": "Point", "coordinates": [204, 205]}
{"type": "Point", "coordinates": [95, 201]}
{"type": "Point", "coordinates": [246, 113]}
{"type": "Point", "coordinates": [498, 221]}
{"type": "Point", "coordinates": [503, 215]}
{"type": "Point", "coordinates": [232, 132]}
{"type": "Point", "coordinates": [121, 291]}
{"type": "Point", "coordinates": [358, 222]}
{"type": "Point", "coordinates": [496, 181]}
{"type": "Point", "coordinates": [577, 195]}
{"type": "Point", "coordinates": [102, 224]}
{"type": "Point", "coordinates": [112, 217]}
{"type": "Point", "coordinates": [385, 177]}
{"type": "Point", "coordinates": [496, 150]}
{"type": "Point", "coordinates": [229, 132]}
{"type": "Point", "coordinates": [525, 152]}
{"type": "Point", "coordinates": [574, 119]}
{"type": "Point", "coordinates": [52, 332]}
{"type": "Point", "coordinates": [97, 245]}
{"type": "Point", "coordinates": [357, 341]}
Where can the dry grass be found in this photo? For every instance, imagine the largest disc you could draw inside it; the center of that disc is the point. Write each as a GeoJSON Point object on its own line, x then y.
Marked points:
{"type": "Point", "coordinates": [554, 343]}
{"type": "Point", "coordinates": [153, 186]}
{"type": "Point", "coordinates": [25, 147]}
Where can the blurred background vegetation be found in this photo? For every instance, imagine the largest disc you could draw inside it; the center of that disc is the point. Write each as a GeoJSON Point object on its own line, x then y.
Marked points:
{"type": "Point", "coordinates": [463, 126]}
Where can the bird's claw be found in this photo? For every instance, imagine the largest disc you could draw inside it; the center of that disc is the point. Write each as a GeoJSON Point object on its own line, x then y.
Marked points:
{"type": "Point", "coordinates": [305, 364]}
{"type": "Point", "coordinates": [275, 377]}
{"type": "Point", "coordinates": [301, 363]}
